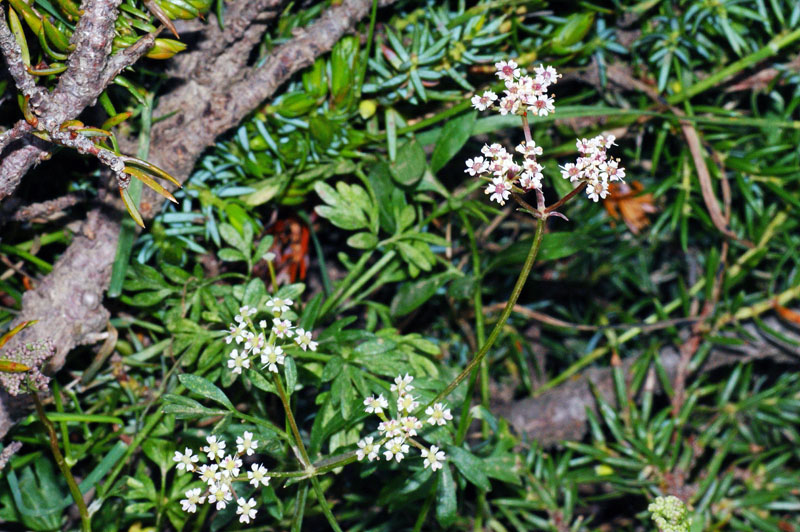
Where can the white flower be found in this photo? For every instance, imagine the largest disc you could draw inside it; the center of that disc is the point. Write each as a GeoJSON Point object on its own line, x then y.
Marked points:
{"type": "Point", "coordinates": [193, 498]}
{"type": "Point", "coordinates": [282, 328]}
{"type": "Point", "coordinates": [507, 70]}
{"type": "Point", "coordinates": [303, 339]}
{"type": "Point", "coordinates": [214, 449]}
{"type": "Point", "coordinates": [246, 444]}
{"type": "Point", "coordinates": [390, 428]}
{"type": "Point", "coordinates": [368, 449]}
{"type": "Point", "coordinates": [209, 473]}
{"type": "Point", "coordinates": [186, 460]}
{"type": "Point", "coordinates": [375, 404]}
{"type": "Point", "coordinates": [529, 149]}
{"type": "Point", "coordinates": [395, 448]}
{"type": "Point", "coordinates": [219, 493]}
{"type": "Point", "coordinates": [438, 414]}
{"type": "Point", "coordinates": [406, 403]}
{"type": "Point", "coordinates": [255, 343]}
{"type": "Point", "coordinates": [410, 425]}
{"type": "Point", "coordinates": [236, 332]}
{"type": "Point", "coordinates": [476, 166]}
{"type": "Point", "coordinates": [271, 357]}
{"type": "Point", "coordinates": [402, 385]}
{"type": "Point", "coordinates": [246, 509]}
{"type": "Point", "coordinates": [529, 181]}
{"type": "Point", "coordinates": [500, 189]}
{"type": "Point", "coordinates": [278, 306]}
{"type": "Point", "coordinates": [433, 457]}
{"type": "Point", "coordinates": [230, 466]}
{"type": "Point", "coordinates": [238, 361]}
{"type": "Point", "coordinates": [481, 103]}
{"type": "Point", "coordinates": [247, 311]}
{"type": "Point", "coordinates": [258, 474]}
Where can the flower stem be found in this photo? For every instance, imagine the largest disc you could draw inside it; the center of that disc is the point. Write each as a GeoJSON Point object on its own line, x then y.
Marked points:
{"type": "Point", "coordinates": [566, 198]}
{"type": "Point", "coordinates": [304, 456]}
{"type": "Point", "coordinates": [523, 276]}
{"type": "Point", "coordinates": [62, 465]}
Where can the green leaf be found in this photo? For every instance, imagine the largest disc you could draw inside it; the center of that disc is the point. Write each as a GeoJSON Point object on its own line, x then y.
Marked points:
{"type": "Point", "coordinates": [159, 451]}
{"type": "Point", "coordinates": [572, 31]}
{"type": "Point", "coordinates": [290, 370]}
{"type": "Point", "coordinates": [230, 235]}
{"type": "Point", "coordinates": [332, 369]}
{"type": "Point", "coordinates": [146, 299]}
{"type": "Point", "coordinates": [455, 134]}
{"type": "Point", "coordinates": [185, 408]}
{"type": "Point", "coordinates": [231, 255]}
{"type": "Point", "coordinates": [413, 294]}
{"type": "Point", "coordinates": [414, 256]}
{"type": "Point", "coordinates": [205, 388]}
{"type": "Point", "coordinates": [295, 104]}
{"type": "Point", "coordinates": [446, 498]}
{"type": "Point", "coordinates": [363, 240]}
{"type": "Point", "coordinates": [470, 466]}
{"type": "Point", "coordinates": [409, 166]}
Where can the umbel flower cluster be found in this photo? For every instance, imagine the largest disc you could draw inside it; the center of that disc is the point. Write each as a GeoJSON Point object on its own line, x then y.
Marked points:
{"type": "Point", "coordinates": [524, 95]}
{"type": "Point", "coordinates": [266, 344]}
{"type": "Point", "coordinates": [670, 514]}
{"type": "Point", "coordinates": [220, 475]}
{"type": "Point", "coordinates": [254, 344]}
{"type": "Point", "coordinates": [397, 433]}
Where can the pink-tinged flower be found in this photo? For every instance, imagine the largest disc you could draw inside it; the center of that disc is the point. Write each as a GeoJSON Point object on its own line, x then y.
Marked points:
{"type": "Point", "coordinates": [508, 105]}
{"type": "Point", "coordinates": [597, 190]}
{"type": "Point", "coordinates": [485, 100]}
{"type": "Point", "coordinates": [611, 171]}
{"type": "Point", "coordinates": [375, 405]}
{"type": "Point", "coordinates": [571, 171]}
{"type": "Point", "coordinates": [271, 357]}
{"type": "Point", "coordinates": [433, 457]}
{"type": "Point", "coordinates": [476, 166]}
{"type": "Point", "coordinates": [500, 189]}
{"type": "Point", "coordinates": [542, 106]}
{"type": "Point", "coordinates": [546, 75]}
{"type": "Point", "coordinates": [493, 151]}
{"type": "Point", "coordinates": [281, 328]}
{"type": "Point", "coordinates": [530, 181]}
{"type": "Point", "coordinates": [507, 70]}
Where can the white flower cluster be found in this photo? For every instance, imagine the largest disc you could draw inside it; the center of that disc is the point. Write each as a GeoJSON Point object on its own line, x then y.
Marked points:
{"type": "Point", "coordinates": [506, 172]}
{"type": "Point", "coordinates": [397, 433]}
{"type": "Point", "coordinates": [262, 344]}
{"type": "Point", "coordinates": [595, 168]}
{"type": "Point", "coordinates": [523, 94]}
{"type": "Point", "coordinates": [220, 475]}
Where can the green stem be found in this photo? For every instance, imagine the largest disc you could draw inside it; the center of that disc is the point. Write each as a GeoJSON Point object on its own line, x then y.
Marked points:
{"type": "Point", "coordinates": [523, 276]}
{"type": "Point", "coordinates": [374, 270]}
{"type": "Point", "coordinates": [355, 272]}
{"type": "Point", "coordinates": [480, 334]}
{"type": "Point", "coordinates": [304, 455]}
{"type": "Point", "coordinates": [324, 504]}
{"type": "Point", "coordinates": [62, 465]}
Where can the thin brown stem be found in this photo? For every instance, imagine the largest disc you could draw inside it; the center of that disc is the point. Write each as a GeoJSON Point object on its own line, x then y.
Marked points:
{"type": "Point", "coordinates": [566, 198]}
